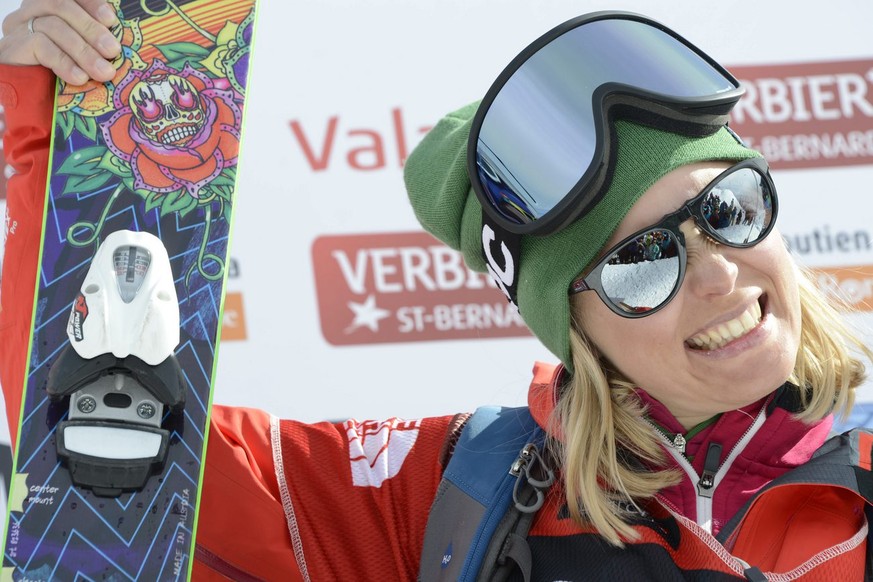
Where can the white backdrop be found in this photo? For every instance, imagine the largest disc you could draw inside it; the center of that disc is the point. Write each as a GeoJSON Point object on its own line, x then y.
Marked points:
{"type": "Point", "coordinates": [342, 88]}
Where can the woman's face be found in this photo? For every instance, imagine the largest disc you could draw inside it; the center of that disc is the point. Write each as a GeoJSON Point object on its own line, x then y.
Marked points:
{"type": "Point", "coordinates": [684, 355]}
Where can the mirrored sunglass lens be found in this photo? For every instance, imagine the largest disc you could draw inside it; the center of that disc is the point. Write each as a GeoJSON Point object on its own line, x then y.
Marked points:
{"type": "Point", "coordinates": [538, 137]}
{"type": "Point", "coordinates": [739, 208]}
{"type": "Point", "coordinates": [641, 275]}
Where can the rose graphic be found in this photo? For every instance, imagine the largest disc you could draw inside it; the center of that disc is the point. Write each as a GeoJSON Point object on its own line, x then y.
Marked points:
{"type": "Point", "coordinates": [175, 129]}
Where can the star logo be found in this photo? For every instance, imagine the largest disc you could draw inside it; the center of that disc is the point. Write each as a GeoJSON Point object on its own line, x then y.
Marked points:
{"type": "Point", "coordinates": [366, 314]}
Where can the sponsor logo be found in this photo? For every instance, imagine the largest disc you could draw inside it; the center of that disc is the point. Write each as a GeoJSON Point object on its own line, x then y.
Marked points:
{"type": "Point", "coordinates": [823, 240]}
{"type": "Point", "coordinates": [234, 322]}
{"type": "Point", "coordinates": [799, 115]}
{"type": "Point", "coordinates": [404, 287]}
{"type": "Point", "coordinates": [503, 275]}
{"type": "Point", "coordinates": [853, 285]}
{"type": "Point", "coordinates": [7, 220]}
{"type": "Point", "coordinates": [78, 317]}
{"type": "Point", "coordinates": [360, 148]}
{"type": "Point", "coordinates": [377, 450]}
{"type": "Point", "coordinates": [807, 114]}
{"type": "Point", "coordinates": [447, 557]}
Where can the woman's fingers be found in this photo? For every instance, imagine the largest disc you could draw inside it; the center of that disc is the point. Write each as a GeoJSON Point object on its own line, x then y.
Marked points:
{"type": "Point", "coordinates": [49, 55]}
{"type": "Point", "coordinates": [68, 36]}
{"type": "Point", "coordinates": [83, 18]}
{"type": "Point", "coordinates": [74, 48]}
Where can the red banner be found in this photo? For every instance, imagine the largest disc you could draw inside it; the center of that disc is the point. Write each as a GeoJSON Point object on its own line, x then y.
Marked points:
{"type": "Point", "coordinates": [403, 287]}
{"type": "Point", "coordinates": [807, 115]}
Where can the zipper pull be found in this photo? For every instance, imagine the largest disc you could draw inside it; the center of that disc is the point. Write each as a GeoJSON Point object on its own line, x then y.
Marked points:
{"type": "Point", "coordinates": [679, 443]}
{"type": "Point", "coordinates": [528, 468]}
{"type": "Point", "coordinates": [525, 455]}
{"type": "Point", "coordinates": [710, 468]}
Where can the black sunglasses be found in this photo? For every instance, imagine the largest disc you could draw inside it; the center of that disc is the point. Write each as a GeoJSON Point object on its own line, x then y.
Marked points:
{"type": "Point", "coordinates": [643, 272]}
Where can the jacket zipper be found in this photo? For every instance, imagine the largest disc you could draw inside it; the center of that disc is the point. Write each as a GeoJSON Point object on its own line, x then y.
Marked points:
{"type": "Point", "coordinates": [713, 473]}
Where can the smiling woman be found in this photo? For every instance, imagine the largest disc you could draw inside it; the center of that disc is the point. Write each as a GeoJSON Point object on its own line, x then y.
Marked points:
{"type": "Point", "coordinates": [700, 376]}
{"type": "Point", "coordinates": [686, 355]}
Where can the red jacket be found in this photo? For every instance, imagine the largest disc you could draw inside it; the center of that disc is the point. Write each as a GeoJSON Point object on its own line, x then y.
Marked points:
{"type": "Point", "coordinates": [284, 500]}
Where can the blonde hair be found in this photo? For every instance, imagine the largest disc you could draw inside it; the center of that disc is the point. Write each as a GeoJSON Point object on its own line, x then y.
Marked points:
{"type": "Point", "coordinates": [606, 441]}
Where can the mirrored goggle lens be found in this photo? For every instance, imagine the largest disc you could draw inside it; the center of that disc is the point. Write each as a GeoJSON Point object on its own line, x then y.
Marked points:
{"type": "Point", "coordinates": [739, 208]}
{"type": "Point", "coordinates": [538, 138]}
{"type": "Point", "coordinates": [642, 273]}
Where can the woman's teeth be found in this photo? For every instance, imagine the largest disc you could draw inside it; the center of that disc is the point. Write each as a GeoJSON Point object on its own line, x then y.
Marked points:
{"type": "Point", "coordinates": [723, 333]}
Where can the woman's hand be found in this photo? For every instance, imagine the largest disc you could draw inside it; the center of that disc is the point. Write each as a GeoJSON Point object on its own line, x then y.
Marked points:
{"type": "Point", "coordinates": [70, 37]}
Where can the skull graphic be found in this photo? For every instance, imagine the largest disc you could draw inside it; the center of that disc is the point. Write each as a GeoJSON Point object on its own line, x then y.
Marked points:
{"type": "Point", "coordinates": [167, 108]}
{"type": "Point", "coordinates": [174, 128]}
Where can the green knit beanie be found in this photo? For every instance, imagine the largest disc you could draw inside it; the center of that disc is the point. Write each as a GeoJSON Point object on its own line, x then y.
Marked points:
{"type": "Point", "coordinates": [442, 198]}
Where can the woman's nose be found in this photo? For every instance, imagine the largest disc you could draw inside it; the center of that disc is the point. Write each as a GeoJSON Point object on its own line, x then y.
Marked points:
{"type": "Point", "coordinates": [710, 269]}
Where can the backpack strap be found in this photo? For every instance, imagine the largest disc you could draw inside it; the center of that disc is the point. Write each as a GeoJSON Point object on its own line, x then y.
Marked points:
{"type": "Point", "coordinates": [484, 506]}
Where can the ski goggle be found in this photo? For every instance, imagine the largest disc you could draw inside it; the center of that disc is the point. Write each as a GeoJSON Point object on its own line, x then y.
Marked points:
{"type": "Point", "coordinates": [643, 272]}
{"type": "Point", "coordinates": [540, 143]}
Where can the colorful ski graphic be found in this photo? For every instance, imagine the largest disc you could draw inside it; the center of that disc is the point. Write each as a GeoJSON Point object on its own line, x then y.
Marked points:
{"type": "Point", "coordinates": [155, 150]}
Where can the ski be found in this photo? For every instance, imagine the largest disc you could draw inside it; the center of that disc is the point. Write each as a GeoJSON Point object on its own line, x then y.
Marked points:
{"type": "Point", "coordinates": [128, 303]}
